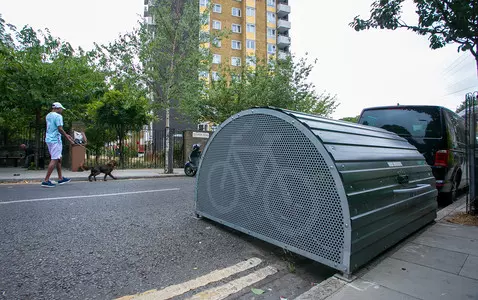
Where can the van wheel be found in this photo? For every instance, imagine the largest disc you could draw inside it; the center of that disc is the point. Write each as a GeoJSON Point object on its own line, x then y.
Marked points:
{"type": "Point", "coordinates": [450, 197]}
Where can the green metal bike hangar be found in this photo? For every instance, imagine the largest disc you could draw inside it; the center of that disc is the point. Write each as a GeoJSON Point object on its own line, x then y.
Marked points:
{"type": "Point", "coordinates": [336, 192]}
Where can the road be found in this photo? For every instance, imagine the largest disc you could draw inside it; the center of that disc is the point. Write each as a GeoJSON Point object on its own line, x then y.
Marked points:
{"type": "Point", "coordinates": [105, 240]}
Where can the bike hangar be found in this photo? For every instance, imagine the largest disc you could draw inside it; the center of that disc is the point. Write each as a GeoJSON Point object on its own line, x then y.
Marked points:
{"type": "Point", "coordinates": [336, 192]}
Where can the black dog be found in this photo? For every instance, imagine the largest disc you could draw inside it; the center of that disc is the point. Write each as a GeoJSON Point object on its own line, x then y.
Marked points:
{"type": "Point", "coordinates": [106, 169]}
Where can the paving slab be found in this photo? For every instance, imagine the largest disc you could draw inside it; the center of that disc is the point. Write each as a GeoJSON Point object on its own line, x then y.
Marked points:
{"type": "Point", "coordinates": [470, 268]}
{"type": "Point", "coordinates": [448, 242]}
{"type": "Point", "coordinates": [365, 290]}
{"type": "Point", "coordinates": [422, 282]}
{"type": "Point", "coordinates": [465, 231]}
{"type": "Point", "coordinates": [441, 259]}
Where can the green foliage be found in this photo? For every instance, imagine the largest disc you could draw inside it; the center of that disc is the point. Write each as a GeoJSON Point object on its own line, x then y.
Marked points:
{"type": "Point", "coordinates": [281, 83]}
{"type": "Point", "coordinates": [118, 112]}
{"type": "Point", "coordinates": [163, 59]}
{"type": "Point", "coordinates": [351, 119]}
{"type": "Point", "coordinates": [38, 69]}
{"type": "Point", "coordinates": [122, 110]}
{"type": "Point", "coordinates": [170, 51]}
{"type": "Point", "coordinates": [444, 21]}
{"type": "Point", "coordinates": [98, 136]}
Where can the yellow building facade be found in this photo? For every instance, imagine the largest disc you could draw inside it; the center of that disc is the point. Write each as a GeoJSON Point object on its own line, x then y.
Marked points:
{"type": "Point", "coordinates": [256, 30]}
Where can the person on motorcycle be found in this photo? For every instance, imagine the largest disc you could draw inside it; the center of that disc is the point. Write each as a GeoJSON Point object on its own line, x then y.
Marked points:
{"type": "Point", "coordinates": [195, 154]}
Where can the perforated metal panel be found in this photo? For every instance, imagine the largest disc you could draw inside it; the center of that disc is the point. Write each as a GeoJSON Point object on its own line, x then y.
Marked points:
{"type": "Point", "coordinates": [322, 188]}
{"type": "Point", "coordinates": [264, 176]}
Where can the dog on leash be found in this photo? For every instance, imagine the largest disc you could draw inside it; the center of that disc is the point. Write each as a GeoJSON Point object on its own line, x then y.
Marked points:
{"type": "Point", "coordinates": [97, 170]}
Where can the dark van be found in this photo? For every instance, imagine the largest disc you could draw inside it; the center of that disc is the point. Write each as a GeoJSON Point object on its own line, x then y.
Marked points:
{"type": "Point", "coordinates": [437, 132]}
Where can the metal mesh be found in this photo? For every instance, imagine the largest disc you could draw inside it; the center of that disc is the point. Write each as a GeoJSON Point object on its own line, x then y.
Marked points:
{"type": "Point", "coordinates": [263, 174]}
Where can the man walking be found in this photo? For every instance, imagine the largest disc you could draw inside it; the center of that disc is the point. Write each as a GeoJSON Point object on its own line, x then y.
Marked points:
{"type": "Point", "coordinates": [54, 130]}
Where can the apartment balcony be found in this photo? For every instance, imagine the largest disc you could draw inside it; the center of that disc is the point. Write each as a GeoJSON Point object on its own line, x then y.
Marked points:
{"type": "Point", "coordinates": [282, 54]}
{"type": "Point", "coordinates": [283, 25]}
{"type": "Point", "coordinates": [283, 10]}
{"type": "Point", "coordinates": [283, 41]}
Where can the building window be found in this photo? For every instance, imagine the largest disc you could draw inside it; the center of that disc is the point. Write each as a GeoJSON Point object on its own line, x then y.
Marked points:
{"type": "Point", "coordinates": [236, 61]}
{"type": "Point", "coordinates": [271, 17]}
{"type": "Point", "coordinates": [271, 3]}
{"type": "Point", "coordinates": [250, 44]}
{"type": "Point", "coordinates": [215, 76]}
{"type": "Point", "coordinates": [216, 24]}
{"type": "Point", "coordinates": [236, 45]}
{"type": "Point", "coordinates": [236, 28]}
{"type": "Point", "coordinates": [236, 12]}
{"type": "Point", "coordinates": [204, 3]}
{"type": "Point", "coordinates": [251, 27]}
{"type": "Point", "coordinates": [251, 61]}
{"type": "Point", "coordinates": [217, 8]}
{"type": "Point", "coordinates": [271, 32]}
{"type": "Point", "coordinates": [216, 42]}
{"type": "Point", "coordinates": [216, 59]}
{"type": "Point", "coordinates": [250, 11]}
{"type": "Point", "coordinates": [204, 74]}
{"type": "Point", "coordinates": [271, 48]}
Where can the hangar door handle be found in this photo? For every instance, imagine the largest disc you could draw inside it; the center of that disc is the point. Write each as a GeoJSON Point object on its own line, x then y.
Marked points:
{"type": "Point", "coordinates": [419, 187]}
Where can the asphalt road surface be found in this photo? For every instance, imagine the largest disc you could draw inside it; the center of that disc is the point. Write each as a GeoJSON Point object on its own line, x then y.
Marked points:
{"type": "Point", "coordinates": [105, 240]}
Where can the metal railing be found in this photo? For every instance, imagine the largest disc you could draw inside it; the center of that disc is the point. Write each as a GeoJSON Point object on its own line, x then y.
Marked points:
{"type": "Point", "coordinates": [140, 149]}
{"type": "Point", "coordinates": [471, 119]}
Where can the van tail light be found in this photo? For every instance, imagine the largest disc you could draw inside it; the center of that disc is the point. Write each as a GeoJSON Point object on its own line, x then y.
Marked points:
{"type": "Point", "coordinates": [441, 158]}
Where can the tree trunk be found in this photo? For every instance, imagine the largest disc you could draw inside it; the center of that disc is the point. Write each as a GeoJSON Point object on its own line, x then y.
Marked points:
{"type": "Point", "coordinates": [168, 164]}
{"type": "Point", "coordinates": [97, 156]}
{"type": "Point", "coordinates": [37, 136]}
{"type": "Point", "coordinates": [6, 133]}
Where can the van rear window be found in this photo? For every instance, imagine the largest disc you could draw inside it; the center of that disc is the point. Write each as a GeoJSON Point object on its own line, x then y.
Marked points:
{"type": "Point", "coordinates": [421, 122]}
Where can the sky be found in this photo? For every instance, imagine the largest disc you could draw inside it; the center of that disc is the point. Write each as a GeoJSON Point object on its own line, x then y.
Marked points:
{"type": "Point", "coordinates": [363, 69]}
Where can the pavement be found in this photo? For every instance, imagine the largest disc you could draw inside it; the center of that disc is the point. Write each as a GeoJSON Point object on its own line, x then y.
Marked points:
{"type": "Point", "coordinates": [438, 262]}
{"type": "Point", "coordinates": [10, 175]}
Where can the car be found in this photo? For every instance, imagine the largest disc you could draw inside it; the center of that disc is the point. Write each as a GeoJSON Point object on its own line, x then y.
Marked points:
{"type": "Point", "coordinates": [437, 132]}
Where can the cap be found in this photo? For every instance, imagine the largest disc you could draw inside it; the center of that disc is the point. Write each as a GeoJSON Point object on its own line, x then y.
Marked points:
{"type": "Point", "coordinates": [57, 105]}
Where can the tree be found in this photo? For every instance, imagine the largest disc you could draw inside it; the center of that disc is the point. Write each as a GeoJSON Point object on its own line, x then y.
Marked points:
{"type": "Point", "coordinates": [97, 138]}
{"type": "Point", "coordinates": [351, 119]}
{"type": "Point", "coordinates": [281, 83]}
{"type": "Point", "coordinates": [172, 57]}
{"type": "Point", "coordinates": [164, 56]}
{"type": "Point", "coordinates": [462, 105]}
{"type": "Point", "coordinates": [122, 111]}
{"type": "Point", "coordinates": [38, 69]}
{"type": "Point", "coordinates": [444, 21]}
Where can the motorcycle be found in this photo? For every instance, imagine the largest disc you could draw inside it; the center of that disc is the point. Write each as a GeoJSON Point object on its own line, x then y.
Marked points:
{"type": "Point", "coordinates": [191, 166]}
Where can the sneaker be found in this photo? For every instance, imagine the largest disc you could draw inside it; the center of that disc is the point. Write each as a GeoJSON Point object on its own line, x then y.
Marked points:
{"type": "Point", "coordinates": [47, 184]}
{"type": "Point", "coordinates": [64, 180]}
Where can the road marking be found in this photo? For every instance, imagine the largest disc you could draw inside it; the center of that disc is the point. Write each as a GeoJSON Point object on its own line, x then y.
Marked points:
{"type": "Point", "coordinates": [88, 196]}
{"type": "Point", "coordinates": [179, 289]}
{"type": "Point", "coordinates": [234, 286]}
